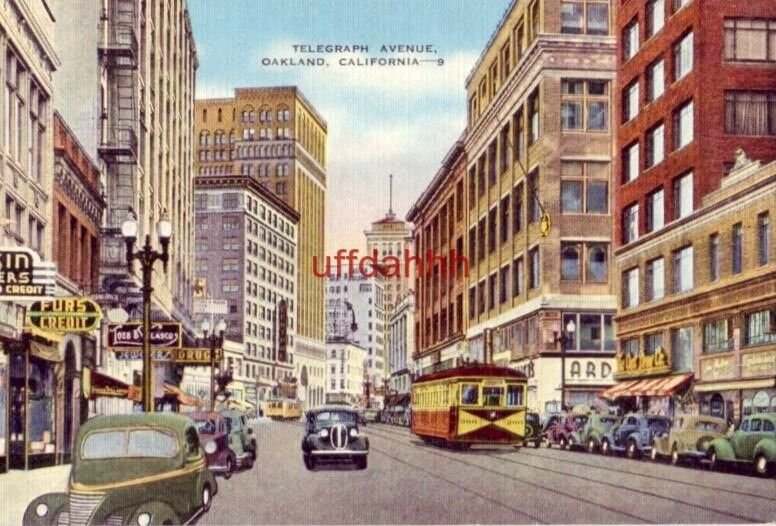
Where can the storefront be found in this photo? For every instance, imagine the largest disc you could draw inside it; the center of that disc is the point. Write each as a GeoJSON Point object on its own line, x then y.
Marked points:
{"type": "Point", "coordinates": [662, 395]}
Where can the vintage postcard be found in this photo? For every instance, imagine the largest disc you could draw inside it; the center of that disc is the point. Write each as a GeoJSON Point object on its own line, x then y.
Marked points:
{"type": "Point", "coordinates": [387, 262]}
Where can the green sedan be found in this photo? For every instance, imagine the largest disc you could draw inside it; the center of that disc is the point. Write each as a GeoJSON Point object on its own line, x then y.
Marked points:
{"type": "Point", "coordinates": [754, 441]}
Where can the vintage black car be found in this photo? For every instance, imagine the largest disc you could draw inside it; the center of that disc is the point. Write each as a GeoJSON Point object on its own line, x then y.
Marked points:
{"type": "Point", "coordinates": [533, 429]}
{"type": "Point", "coordinates": [332, 435]}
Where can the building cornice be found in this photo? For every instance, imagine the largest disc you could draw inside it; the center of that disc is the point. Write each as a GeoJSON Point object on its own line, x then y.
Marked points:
{"type": "Point", "coordinates": [244, 182]}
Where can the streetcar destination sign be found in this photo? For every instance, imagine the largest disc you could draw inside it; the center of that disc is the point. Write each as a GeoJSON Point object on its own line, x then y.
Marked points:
{"type": "Point", "coordinates": [65, 314]}
{"type": "Point", "coordinates": [23, 274]}
{"type": "Point", "coordinates": [181, 356]}
{"type": "Point", "coordinates": [163, 334]}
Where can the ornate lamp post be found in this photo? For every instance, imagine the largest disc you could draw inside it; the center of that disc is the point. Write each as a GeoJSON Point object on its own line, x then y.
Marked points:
{"type": "Point", "coordinates": [147, 256]}
{"type": "Point", "coordinates": [216, 341]}
{"type": "Point", "coordinates": [564, 339]}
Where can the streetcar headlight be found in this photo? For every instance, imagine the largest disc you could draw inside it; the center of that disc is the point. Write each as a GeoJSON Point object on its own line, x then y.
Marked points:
{"type": "Point", "coordinates": [324, 433]}
{"type": "Point", "coordinates": [144, 519]}
{"type": "Point", "coordinates": [353, 432]}
{"type": "Point", "coordinates": [210, 447]}
{"type": "Point", "coordinates": [41, 509]}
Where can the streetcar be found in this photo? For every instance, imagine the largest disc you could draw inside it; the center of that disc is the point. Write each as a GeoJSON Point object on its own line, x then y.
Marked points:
{"type": "Point", "coordinates": [470, 404]}
{"type": "Point", "coordinates": [283, 409]}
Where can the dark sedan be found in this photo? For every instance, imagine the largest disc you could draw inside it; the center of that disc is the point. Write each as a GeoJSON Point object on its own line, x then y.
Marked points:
{"type": "Point", "coordinates": [332, 435]}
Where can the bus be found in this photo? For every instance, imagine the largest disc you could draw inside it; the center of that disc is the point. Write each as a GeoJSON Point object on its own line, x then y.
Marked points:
{"type": "Point", "coordinates": [470, 404]}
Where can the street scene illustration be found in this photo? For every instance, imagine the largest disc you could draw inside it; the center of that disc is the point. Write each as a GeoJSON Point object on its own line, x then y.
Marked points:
{"type": "Point", "coordinates": [388, 262]}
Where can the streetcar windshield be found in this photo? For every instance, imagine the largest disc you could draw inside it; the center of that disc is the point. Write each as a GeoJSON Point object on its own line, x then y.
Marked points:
{"type": "Point", "coordinates": [493, 396]}
{"type": "Point", "coordinates": [470, 394]}
{"type": "Point", "coordinates": [514, 395]}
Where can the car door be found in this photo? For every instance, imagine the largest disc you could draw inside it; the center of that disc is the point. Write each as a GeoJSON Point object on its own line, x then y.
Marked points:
{"type": "Point", "coordinates": [755, 434]}
{"type": "Point", "coordinates": [235, 436]}
{"type": "Point", "coordinates": [630, 425]}
{"type": "Point", "coordinates": [739, 439]}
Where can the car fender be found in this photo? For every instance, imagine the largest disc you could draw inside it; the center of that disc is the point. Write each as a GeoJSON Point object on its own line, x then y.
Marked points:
{"type": "Point", "coordinates": [767, 447]}
{"type": "Point", "coordinates": [160, 512]}
{"type": "Point", "coordinates": [662, 444]}
{"type": "Point", "coordinates": [55, 502]}
{"type": "Point", "coordinates": [636, 437]}
{"type": "Point", "coordinates": [703, 443]}
{"type": "Point", "coordinates": [723, 448]}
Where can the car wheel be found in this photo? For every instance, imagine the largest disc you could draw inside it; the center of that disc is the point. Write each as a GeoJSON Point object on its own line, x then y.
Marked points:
{"type": "Point", "coordinates": [713, 462]}
{"type": "Point", "coordinates": [309, 462]}
{"type": "Point", "coordinates": [761, 465]}
{"type": "Point", "coordinates": [571, 442]}
{"type": "Point", "coordinates": [361, 463]}
{"type": "Point", "coordinates": [537, 443]}
{"type": "Point", "coordinates": [229, 468]}
{"type": "Point", "coordinates": [591, 446]}
{"type": "Point", "coordinates": [674, 455]}
{"type": "Point", "coordinates": [605, 448]}
{"type": "Point", "coordinates": [562, 443]}
{"type": "Point", "coordinates": [207, 498]}
{"type": "Point", "coordinates": [653, 452]}
{"type": "Point", "coordinates": [631, 451]}
{"type": "Point", "coordinates": [253, 451]}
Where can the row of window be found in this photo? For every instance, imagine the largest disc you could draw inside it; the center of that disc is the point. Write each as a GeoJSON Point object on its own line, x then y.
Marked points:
{"type": "Point", "coordinates": [682, 193]}
{"type": "Point", "coordinates": [264, 151]}
{"type": "Point", "coordinates": [682, 261]}
{"type": "Point", "coordinates": [248, 114]}
{"type": "Point", "coordinates": [757, 328]}
{"type": "Point", "coordinates": [655, 20]}
{"type": "Point", "coordinates": [484, 294]}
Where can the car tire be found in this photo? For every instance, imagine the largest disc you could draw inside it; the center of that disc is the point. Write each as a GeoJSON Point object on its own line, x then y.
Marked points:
{"type": "Point", "coordinates": [229, 468]}
{"type": "Point", "coordinates": [675, 456]}
{"type": "Point", "coordinates": [606, 448]}
{"type": "Point", "coordinates": [207, 498]}
{"type": "Point", "coordinates": [760, 465]}
{"type": "Point", "coordinates": [361, 463]}
{"type": "Point", "coordinates": [591, 446]}
{"type": "Point", "coordinates": [631, 451]}
{"type": "Point", "coordinates": [309, 462]}
{"type": "Point", "coordinates": [537, 443]}
{"type": "Point", "coordinates": [562, 443]}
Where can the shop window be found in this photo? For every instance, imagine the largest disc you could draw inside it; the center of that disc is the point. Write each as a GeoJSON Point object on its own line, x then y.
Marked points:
{"type": "Point", "coordinates": [681, 349]}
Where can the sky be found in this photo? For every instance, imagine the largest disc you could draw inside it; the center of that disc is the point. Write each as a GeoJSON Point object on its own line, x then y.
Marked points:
{"type": "Point", "coordinates": [382, 120]}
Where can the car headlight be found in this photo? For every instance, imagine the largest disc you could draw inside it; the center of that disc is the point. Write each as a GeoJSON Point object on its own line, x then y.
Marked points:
{"type": "Point", "coordinates": [210, 447]}
{"type": "Point", "coordinates": [324, 433]}
{"type": "Point", "coordinates": [41, 509]}
{"type": "Point", "coordinates": [353, 432]}
{"type": "Point", "coordinates": [144, 519]}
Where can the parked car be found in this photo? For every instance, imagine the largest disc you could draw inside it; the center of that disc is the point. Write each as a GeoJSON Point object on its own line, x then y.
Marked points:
{"type": "Point", "coordinates": [241, 440]}
{"type": "Point", "coordinates": [591, 434]}
{"type": "Point", "coordinates": [753, 441]}
{"type": "Point", "coordinates": [688, 438]}
{"type": "Point", "coordinates": [634, 434]}
{"type": "Point", "coordinates": [221, 458]}
{"type": "Point", "coordinates": [145, 468]}
{"type": "Point", "coordinates": [563, 430]}
{"type": "Point", "coordinates": [533, 429]}
{"type": "Point", "coordinates": [332, 435]}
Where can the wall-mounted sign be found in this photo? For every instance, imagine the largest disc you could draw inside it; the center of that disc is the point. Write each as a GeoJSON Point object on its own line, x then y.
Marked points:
{"type": "Point", "coordinates": [24, 275]}
{"type": "Point", "coordinates": [181, 356]}
{"type": "Point", "coordinates": [717, 368]}
{"type": "Point", "coordinates": [282, 330]}
{"type": "Point", "coordinates": [589, 370]}
{"type": "Point", "coordinates": [210, 306]}
{"type": "Point", "coordinates": [760, 363]}
{"type": "Point", "coordinates": [163, 334]}
{"type": "Point", "coordinates": [64, 314]}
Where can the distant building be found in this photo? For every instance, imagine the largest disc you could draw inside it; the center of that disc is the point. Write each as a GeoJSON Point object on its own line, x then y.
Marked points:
{"type": "Point", "coordinates": [401, 343]}
{"type": "Point", "coordinates": [345, 371]}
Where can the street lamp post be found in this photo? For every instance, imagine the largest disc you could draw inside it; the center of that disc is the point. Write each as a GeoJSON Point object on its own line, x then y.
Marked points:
{"type": "Point", "coordinates": [216, 341]}
{"type": "Point", "coordinates": [147, 256]}
{"type": "Point", "coordinates": [564, 339]}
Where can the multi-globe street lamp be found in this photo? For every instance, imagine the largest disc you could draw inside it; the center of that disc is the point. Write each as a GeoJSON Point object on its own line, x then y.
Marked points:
{"type": "Point", "coordinates": [215, 341]}
{"type": "Point", "coordinates": [147, 257]}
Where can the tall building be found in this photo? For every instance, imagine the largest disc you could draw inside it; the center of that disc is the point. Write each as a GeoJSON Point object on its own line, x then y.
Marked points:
{"type": "Point", "coordinates": [345, 375]}
{"type": "Point", "coordinates": [695, 84]}
{"type": "Point", "coordinates": [400, 341]}
{"type": "Point", "coordinates": [29, 434]}
{"type": "Point", "coordinates": [247, 252]}
{"type": "Point", "coordinates": [277, 137]}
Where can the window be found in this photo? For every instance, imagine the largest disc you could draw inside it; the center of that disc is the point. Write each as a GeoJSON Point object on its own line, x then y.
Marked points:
{"type": "Point", "coordinates": [630, 288]}
{"type": "Point", "coordinates": [630, 223]}
{"type": "Point", "coordinates": [472, 302]}
{"type": "Point", "coordinates": [597, 269]}
{"type": "Point", "coordinates": [750, 39]}
{"type": "Point", "coordinates": [481, 297]}
{"type": "Point", "coordinates": [519, 134]}
{"type": "Point", "coordinates": [714, 257]}
{"type": "Point", "coordinates": [683, 190]}
{"type": "Point", "coordinates": [481, 240]}
{"type": "Point", "coordinates": [655, 208]}
{"type": "Point", "coordinates": [750, 112]}
{"type": "Point", "coordinates": [570, 261]}
{"type": "Point", "coordinates": [535, 20]}
{"type": "Point", "coordinates": [630, 40]}
{"type": "Point", "coordinates": [683, 269]}
{"type": "Point", "coordinates": [630, 163]}
{"type": "Point", "coordinates": [681, 349]}
{"type": "Point", "coordinates": [492, 230]}
{"type": "Point", "coordinates": [584, 187]}
{"type": "Point", "coordinates": [655, 278]}
{"type": "Point", "coordinates": [656, 80]}
{"type": "Point", "coordinates": [504, 218]}
{"type": "Point", "coordinates": [763, 238]}
{"type": "Point", "coordinates": [656, 15]}
{"type": "Point", "coordinates": [584, 105]}
{"type": "Point", "coordinates": [533, 257]}
{"type": "Point", "coordinates": [517, 277]}
{"type": "Point", "coordinates": [652, 342]}
{"type": "Point", "coordinates": [584, 17]}
{"type": "Point", "coordinates": [517, 208]}
{"type": "Point", "coordinates": [716, 336]}
{"type": "Point", "coordinates": [655, 145]}
{"type": "Point", "coordinates": [760, 327]}
{"type": "Point", "coordinates": [534, 206]}
{"type": "Point", "coordinates": [492, 291]}
{"type": "Point", "coordinates": [505, 150]}
{"type": "Point", "coordinates": [504, 284]}
{"type": "Point", "coordinates": [683, 56]}
{"type": "Point", "coordinates": [683, 126]}
{"type": "Point", "coordinates": [533, 117]}
{"type": "Point", "coordinates": [736, 248]}
{"type": "Point", "coordinates": [472, 243]}
{"type": "Point", "coordinates": [630, 101]}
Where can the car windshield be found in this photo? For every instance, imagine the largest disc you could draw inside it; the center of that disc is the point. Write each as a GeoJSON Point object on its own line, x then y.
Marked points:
{"type": "Point", "coordinates": [206, 427]}
{"type": "Point", "coordinates": [330, 418]}
{"type": "Point", "coordinates": [709, 426]}
{"type": "Point", "coordinates": [134, 443]}
{"type": "Point", "coordinates": [608, 422]}
{"type": "Point", "coordinates": [658, 424]}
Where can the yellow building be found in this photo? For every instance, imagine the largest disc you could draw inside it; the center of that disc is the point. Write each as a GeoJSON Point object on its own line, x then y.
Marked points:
{"type": "Point", "coordinates": [276, 136]}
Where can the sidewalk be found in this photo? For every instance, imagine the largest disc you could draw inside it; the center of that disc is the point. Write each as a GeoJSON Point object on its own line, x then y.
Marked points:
{"type": "Point", "coordinates": [18, 488]}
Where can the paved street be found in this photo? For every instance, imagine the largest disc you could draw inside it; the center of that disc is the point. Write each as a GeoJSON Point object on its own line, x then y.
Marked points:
{"type": "Point", "coordinates": [409, 482]}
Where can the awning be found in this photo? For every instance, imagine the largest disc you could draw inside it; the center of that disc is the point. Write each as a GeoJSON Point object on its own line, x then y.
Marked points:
{"type": "Point", "coordinates": [98, 384]}
{"type": "Point", "coordinates": [183, 398]}
{"type": "Point", "coordinates": [45, 352]}
{"type": "Point", "coordinates": [40, 333]}
{"type": "Point", "coordinates": [662, 386]}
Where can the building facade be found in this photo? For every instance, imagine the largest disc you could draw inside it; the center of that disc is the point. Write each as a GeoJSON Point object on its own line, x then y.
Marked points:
{"type": "Point", "coordinates": [277, 137]}
{"type": "Point", "coordinates": [401, 344]}
{"type": "Point", "coordinates": [247, 253]}
{"type": "Point", "coordinates": [345, 373]}
{"type": "Point", "coordinates": [695, 84]}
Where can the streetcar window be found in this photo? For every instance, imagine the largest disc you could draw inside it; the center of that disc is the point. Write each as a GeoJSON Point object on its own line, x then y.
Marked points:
{"type": "Point", "coordinates": [470, 394]}
{"type": "Point", "coordinates": [514, 395]}
{"type": "Point", "coordinates": [493, 395]}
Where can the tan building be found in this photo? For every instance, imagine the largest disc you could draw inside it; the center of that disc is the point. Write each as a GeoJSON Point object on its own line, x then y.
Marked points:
{"type": "Point", "coordinates": [700, 295]}
{"type": "Point", "coordinates": [539, 208]}
{"type": "Point", "coordinates": [277, 137]}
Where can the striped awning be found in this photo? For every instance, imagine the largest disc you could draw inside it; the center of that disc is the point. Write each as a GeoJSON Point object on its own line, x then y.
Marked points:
{"type": "Point", "coordinates": [662, 386]}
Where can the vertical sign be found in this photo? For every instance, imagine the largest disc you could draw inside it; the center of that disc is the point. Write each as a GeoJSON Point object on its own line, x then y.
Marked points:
{"type": "Point", "coordinates": [282, 330]}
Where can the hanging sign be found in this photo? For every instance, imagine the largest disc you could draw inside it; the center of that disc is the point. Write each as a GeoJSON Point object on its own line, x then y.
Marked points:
{"type": "Point", "coordinates": [64, 314]}
{"type": "Point", "coordinates": [181, 356]}
{"type": "Point", "coordinates": [163, 334]}
{"type": "Point", "coordinates": [24, 275]}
